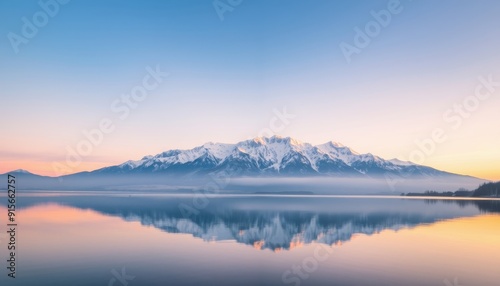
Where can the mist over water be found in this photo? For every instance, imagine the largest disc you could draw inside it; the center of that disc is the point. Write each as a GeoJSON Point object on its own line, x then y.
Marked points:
{"type": "Point", "coordinates": [389, 185]}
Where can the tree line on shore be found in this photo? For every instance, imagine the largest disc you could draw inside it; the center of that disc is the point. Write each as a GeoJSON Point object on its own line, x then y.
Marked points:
{"type": "Point", "coordinates": [485, 190]}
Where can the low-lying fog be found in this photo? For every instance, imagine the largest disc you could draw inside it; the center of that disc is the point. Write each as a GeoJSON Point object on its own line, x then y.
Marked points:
{"type": "Point", "coordinates": [250, 185]}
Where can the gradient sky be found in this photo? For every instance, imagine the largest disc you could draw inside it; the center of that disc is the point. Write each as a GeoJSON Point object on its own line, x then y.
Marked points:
{"type": "Point", "coordinates": [226, 77]}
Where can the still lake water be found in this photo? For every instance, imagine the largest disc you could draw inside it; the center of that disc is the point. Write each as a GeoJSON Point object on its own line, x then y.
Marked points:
{"type": "Point", "coordinates": [138, 239]}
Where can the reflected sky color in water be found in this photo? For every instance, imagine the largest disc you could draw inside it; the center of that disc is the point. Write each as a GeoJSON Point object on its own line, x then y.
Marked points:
{"type": "Point", "coordinates": [79, 240]}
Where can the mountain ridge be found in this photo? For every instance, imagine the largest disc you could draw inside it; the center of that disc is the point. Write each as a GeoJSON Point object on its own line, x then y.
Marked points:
{"type": "Point", "coordinates": [272, 156]}
{"type": "Point", "coordinates": [260, 165]}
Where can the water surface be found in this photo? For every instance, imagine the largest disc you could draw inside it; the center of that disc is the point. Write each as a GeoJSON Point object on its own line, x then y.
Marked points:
{"type": "Point", "coordinates": [93, 238]}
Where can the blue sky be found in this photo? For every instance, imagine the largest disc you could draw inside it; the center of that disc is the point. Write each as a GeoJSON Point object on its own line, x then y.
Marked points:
{"type": "Point", "coordinates": [226, 77]}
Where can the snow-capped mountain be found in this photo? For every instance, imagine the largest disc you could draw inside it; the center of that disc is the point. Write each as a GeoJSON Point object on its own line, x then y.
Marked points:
{"type": "Point", "coordinates": [274, 156]}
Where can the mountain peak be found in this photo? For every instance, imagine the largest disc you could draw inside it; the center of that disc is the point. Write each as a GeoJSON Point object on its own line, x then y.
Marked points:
{"type": "Point", "coordinates": [280, 139]}
{"type": "Point", "coordinates": [276, 139]}
{"type": "Point", "coordinates": [20, 171]}
{"type": "Point", "coordinates": [336, 144]}
{"type": "Point", "coordinates": [271, 156]}
{"type": "Point", "coordinates": [260, 140]}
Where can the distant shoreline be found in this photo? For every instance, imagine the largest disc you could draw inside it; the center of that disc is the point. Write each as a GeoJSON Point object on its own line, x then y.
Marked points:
{"type": "Point", "coordinates": [487, 190]}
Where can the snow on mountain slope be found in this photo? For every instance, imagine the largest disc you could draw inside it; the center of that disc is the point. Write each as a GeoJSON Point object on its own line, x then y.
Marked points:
{"type": "Point", "coordinates": [338, 151]}
{"type": "Point", "coordinates": [400, 163]}
{"type": "Point", "coordinates": [271, 156]}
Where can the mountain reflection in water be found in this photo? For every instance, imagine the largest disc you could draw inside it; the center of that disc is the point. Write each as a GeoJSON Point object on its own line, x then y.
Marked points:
{"type": "Point", "coordinates": [274, 223]}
